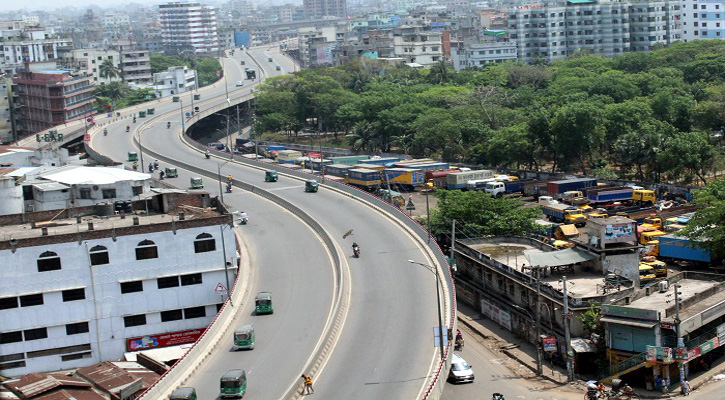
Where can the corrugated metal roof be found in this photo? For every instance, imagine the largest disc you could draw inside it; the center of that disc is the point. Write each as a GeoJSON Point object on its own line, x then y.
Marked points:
{"type": "Point", "coordinates": [557, 258]}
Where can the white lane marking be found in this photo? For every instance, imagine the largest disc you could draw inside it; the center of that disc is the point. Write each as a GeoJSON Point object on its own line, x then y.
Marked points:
{"type": "Point", "coordinates": [284, 188]}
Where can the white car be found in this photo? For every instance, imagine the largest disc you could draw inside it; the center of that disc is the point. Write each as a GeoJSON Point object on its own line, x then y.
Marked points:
{"type": "Point", "coordinates": [460, 370]}
{"type": "Point", "coordinates": [240, 83]}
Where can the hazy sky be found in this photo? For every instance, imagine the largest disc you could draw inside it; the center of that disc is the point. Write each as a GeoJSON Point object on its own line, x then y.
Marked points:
{"type": "Point", "coordinates": [31, 5]}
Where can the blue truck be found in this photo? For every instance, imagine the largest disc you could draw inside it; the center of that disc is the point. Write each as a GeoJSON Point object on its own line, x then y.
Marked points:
{"type": "Point", "coordinates": [681, 249]}
{"type": "Point", "coordinates": [556, 188]}
{"type": "Point", "coordinates": [564, 213]}
{"type": "Point", "coordinates": [609, 194]}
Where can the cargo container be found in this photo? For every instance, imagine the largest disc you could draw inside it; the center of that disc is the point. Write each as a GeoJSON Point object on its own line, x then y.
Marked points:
{"type": "Point", "coordinates": [438, 178]}
{"type": "Point", "coordinates": [374, 167]}
{"type": "Point", "coordinates": [458, 180]}
{"type": "Point", "coordinates": [557, 188]}
{"type": "Point", "coordinates": [348, 160]}
{"type": "Point", "coordinates": [609, 194]}
{"type": "Point", "coordinates": [565, 213]}
{"type": "Point", "coordinates": [363, 178]}
{"type": "Point", "coordinates": [406, 163]}
{"type": "Point", "coordinates": [337, 170]}
{"type": "Point", "coordinates": [479, 184]}
{"type": "Point", "coordinates": [434, 166]}
{"type": "Point", "coordinates": [387, 161]}
{"type": "Point", "coordinates": [270, 148]}
{"type": "Point", "coordinates": [406, 178]}
{"type": "Point", "coordinates": [681, 249]}
{"type": "Point", "coordinates": [535, 189]}
{"type": "Point", "coordinates": [317, 164]}
{"type": "Point", "coordinates": [288, 156]}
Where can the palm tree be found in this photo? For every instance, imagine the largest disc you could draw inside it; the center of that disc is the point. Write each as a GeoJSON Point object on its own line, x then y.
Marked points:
{"type": "Point", "coordinates": [364, 136]}
{"type": "Point", "coordinates": [439, 73]}
{"type": "Point", "coordinates": [116, 90]}
{"type": "Point", "coordinates": [107, 69]}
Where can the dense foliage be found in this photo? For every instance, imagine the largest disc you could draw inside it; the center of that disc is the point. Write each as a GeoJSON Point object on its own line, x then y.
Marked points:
{"type": "Point", "coordinates": [206, 67]}
{"type": "Point", "coordinates": [478, 214]}
{"type": "Point", "coordinates": [118, 95]}
{"type": "Point", "coordinates": [708, 223]}
{"type": "Point", "coordinates": [656, 116]}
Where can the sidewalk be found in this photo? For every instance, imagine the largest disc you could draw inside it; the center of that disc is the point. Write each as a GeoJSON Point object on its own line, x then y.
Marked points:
{"type": "Point", "coordinates": [524, 352]}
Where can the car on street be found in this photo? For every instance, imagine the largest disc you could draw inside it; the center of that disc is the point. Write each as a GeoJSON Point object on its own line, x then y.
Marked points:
{"type": "Point", "coordinates": [460, 370]}
{"type": "Point", "coordinates": [240, 83]}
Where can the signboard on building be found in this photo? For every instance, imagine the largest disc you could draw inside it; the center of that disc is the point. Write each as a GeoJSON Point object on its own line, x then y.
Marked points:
{"type": "Point", "coordinates": [721, 333]}
{"type": "Point", "coordinates": [615, 233]}
{"type": "Point", "coordinates": [163, 339]}
{"type": "Point", "coordinates": [659, 355]}
{"type": "Point", "coordinates": [549, 343]}
{"type": "Point", "coordinates": [630, 312]}
{"type": "Point", "coordinates": [496, 314]}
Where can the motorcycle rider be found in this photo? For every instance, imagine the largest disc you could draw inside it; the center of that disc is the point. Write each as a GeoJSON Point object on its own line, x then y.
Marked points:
{"type": "Point", "coordinates": [134, 165]}
{"type": "Point", "coordinates": [206, 153]}
{"type": "Point", "coordinates": [161, 175]}
{"type": "Point", "coordinates": [156, 164]}
{"type": "Point", "coordinates": [229, 187]}
{"type": "Point", "coordinates": [168, 125]}
{"type": "Point", "coordinates": [243, 218]}
{"type": "Point", "coordinates": [105, 131]}
{"type": "Point", "coordinates": [355, 249]}
{"type": "Point", "coordinates": [128, 128]}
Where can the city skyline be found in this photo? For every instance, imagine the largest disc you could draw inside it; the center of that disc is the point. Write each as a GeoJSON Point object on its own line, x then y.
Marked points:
{"type": "Point", "coordinates": [48, 5]}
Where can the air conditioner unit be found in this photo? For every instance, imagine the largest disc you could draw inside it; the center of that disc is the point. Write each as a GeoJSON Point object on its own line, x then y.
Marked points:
{"type": "Point", "coordinates": [664, 285]}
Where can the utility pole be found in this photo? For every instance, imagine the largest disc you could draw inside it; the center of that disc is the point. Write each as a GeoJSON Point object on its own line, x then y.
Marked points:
{"type": "Point", "coordinates": [680, 340]}
{"type": "Point", "coordinates": [229, 139]}
{"type": "Point", "coordinates": [427, 213]}
{"type": "Point", "coordinates": [453, 246]}
{"type": "Point", "coordinates": [567, 334]}
{"type": "Point", "coordinates": [539, 371]}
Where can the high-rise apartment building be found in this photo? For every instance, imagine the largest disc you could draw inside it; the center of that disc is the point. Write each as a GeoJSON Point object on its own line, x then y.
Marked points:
{"type": "Point", "coordinates": [50, 97]}
{"type": "Point", "coordinates": [6, 109]}
{"type": "Point", "coordinates": [607, 28]}
{"type": "Point", "coordinates": [318, 9]}
{"type": "Point", "coordinates": [188, 27]}
{"type": "Point", "coordinates": [703, 19]}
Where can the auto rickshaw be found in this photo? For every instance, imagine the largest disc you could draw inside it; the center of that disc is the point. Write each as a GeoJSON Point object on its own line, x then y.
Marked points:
{"type": "Point", "coordinates": [183, 393]}
{"type": "Point", "coordinates": [279, 68]}
{"type": "Point", "coordinates": [269, 59]}
{"type": "Point", "coordinates": [132, 156]}
{"type": "Point", "coordinates": [142, 114]}
{"type": "Point", "coordinates": [270, 176]}
{"type": "Point", "coordinates": [150, 111]}
{"type": "Point", "coordinates": [197, 183]}
{"type": "Point", "coordinates": [311, 185]}
{"type": "Point", "coordinates": [263, 303]}
{"type": "Point", "coordinates": [242, 62]}
{"type": "Point", "coordinates": [244, 337]}
{"type": "Point", "coordinates": [175, 99]}
{"type": "Point", "coordinates": [233, 384]}
{"type": "Point", "coordinates": [171, 172]}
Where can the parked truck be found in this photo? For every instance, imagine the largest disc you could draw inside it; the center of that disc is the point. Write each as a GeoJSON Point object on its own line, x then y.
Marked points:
{"type": "Point", "coordinates": [680, 249]}
{"type": "Point", "coordinates": [574, 197]}
{"type": "Point", "coordinates": [609, 194]}
{"type": "Point", "coordinates": [565, 213]}
{"type": "Point", "coordinates": [557, 188]}
{"type": "Point", "coordinates": [498, 189]}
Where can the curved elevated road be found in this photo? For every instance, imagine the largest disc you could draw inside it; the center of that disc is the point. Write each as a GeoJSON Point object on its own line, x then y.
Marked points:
{"type": "Point", "coordinates": [385, 348]}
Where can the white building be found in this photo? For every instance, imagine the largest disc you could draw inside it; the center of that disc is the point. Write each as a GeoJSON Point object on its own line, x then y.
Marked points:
{"type": "Point", "coordinates": [116, 20]}
{"type": "Point", "coordinates": [175, 80]}
{"type": "Point", "coordinates": [479, 54]}
{"type": "Point", "coordinates": [189, 27]}
{"type": "Point", "coordinates": [317, 43]}
{"type": "Point", "coordinates": [703, 19]}
{"type": "Point", "coordinates": [417, 45]}
{"type": "Point", "coordinates": [90, 60]}
{"type": "Point", "coordinates": [84, 290]}
{"type": "Point", "coordinates": [28, 45]}
{"type": "Point", "coordinates": [136, 66]}
{"type": "Point", "coordinates": [78, 186]}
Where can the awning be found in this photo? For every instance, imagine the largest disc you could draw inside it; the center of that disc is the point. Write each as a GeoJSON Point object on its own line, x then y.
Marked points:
{"type": "Point", "coordinates": [581, 345]}
{"type": "Point", "coordinates": [631, 322]}
{"type": "Point", "coordinates": [539, 258]}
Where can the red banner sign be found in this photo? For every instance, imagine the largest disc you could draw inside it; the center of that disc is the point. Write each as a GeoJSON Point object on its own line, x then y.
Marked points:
{"type": "Point", "coordinates": [163, 340]}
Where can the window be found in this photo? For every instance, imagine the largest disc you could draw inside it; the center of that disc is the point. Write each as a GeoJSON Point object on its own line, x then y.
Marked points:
{"type": "Point", "coordinates": [85, 193]}
{"type": "Point", "coordinates": [131, 287]}
{"type": "Point", "coordinates": [204, 243]}
{"type": "Point", "coordinates": [134, 320]}
{"type": "Point", "coordinates": [74, 294]}
{"type": "Point", "coordinates": [99, 255]}
{"type": "Point", "coordinates": [36, 334]}
{"type": "Point", "coordinates": [109, 193]}
{"type": "Point", "coordinates": [191, 279]}
{"type": "Point", "coordinates": [146, 250]}
{"type": "Point", "coordinates": [31, 300]}
{"type": "Point", "coordinates": [136, 190]}
{"type": "Point", "coordinates": [76, 356]}
{"type": "Point", "coordinates": [195, 312]}
{"type": "Point", "coordinates": [8, 302]}
{"type": "Point", "coordinates": [167, 282]}
{"type": "Point", "coordinates": [74, 329]}
{"type": "Point", "coordinates": [58, 350]}
{"type": "Point", "coordinates": [171, 315]}
{"type": "Point", "coordinates": [11, 337]}
{"type": "Point", "coordinates": [48, 261]}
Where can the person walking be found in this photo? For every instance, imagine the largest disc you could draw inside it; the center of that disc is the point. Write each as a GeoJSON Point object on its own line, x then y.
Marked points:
{"type": "Point", "coordinates": [685, 387]}
{"type": "Point", "coordinates": [308, 384]}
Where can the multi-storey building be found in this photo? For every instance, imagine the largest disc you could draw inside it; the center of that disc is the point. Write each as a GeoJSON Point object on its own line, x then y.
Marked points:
{"type": "Point", "coordinates": [50, 97]}
{"type": "Point", "coordinates": [317, 44]}
{"type": "Point", "coordinates": [94, 286]}
{"type": "Point", "coordinates": [607, 28]}
{"type": "Point", "coordinates": [30, 48]}
{"type": "Point", "coordinates": [189, 27]}
{"type": "Point", "coordinates": [703, 19]}
{"type": "Point", "coordinates": [468, 55]}
{"type": "Point", "coordinates": [90, 60]}
{"type": "Point", "coordinates": [7, 128]}
{"type": "Point", "coordinates": [136, 66]}
{"type": "Point", "coordinates": [318, 9]}
{"type": "Point", "coordinates": [175, 80]}
{"type": "Point", "coordinates": [419, 45]}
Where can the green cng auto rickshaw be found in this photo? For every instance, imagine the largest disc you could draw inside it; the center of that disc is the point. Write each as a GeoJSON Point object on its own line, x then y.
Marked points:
{"type": "Point", "coordinates": [183, 393]}
{"type": "Point", "coordinates": [263, 303]}
{"type": "Point", "coordinates": [311, 185]}
{"type": "Point", "coordinates": [150, 111]}
{"type": "Point", "coordinates": [197, 183]}
{"type": "Point", "coordinates": [244, 337]}
{"type": "Point", "coordinates": [132, 156]}
{"type": "Point", "coordinates": [171, 172]}
{"type": "Point", "coordinates": [233, 383]}
{"type": "Point", "coordinates": [270, 176]}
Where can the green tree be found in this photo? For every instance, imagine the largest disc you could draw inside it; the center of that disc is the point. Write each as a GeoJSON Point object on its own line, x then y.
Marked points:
{"type": "Point", "coordinates": [590, 317]}
{"type": "Point", "coordinates": [477, 213]}
{"type": "Point", "coordinates": [688, 153]}
{"type": "Point", "coordinates": [439, 73]}
{"type": "Point", "coordinates": [708, 223]}
{"type": "Point", "coordinates": [580, 131]}
{"type": "Point", "coordinates": [107, 69]}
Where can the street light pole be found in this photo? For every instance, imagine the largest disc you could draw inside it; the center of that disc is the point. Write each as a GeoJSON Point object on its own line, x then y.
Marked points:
{"type": "Point", "coordinates": [224, 254]}
{"type": "Point", "coordinates": [427, 212]}
{"type": "Point", "coordinates": [181, 111]}
{"type": "Point", "coordinates": [438, 298]}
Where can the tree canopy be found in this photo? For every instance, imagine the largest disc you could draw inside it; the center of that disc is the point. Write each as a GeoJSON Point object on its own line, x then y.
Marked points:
{"type": "Point", "coordinates": [629, 117]}
{"type": "Point", "coordinates": [708, 223]}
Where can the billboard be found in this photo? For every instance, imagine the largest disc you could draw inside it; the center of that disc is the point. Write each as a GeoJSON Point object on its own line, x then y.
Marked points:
{"type": "Point", "coordinates": [163, 339]}
{"type": "Point", "coordinates": [615, 233]}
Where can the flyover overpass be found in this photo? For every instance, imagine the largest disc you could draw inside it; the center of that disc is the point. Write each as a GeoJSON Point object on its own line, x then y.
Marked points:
{"type": "Point", "coordinates": [362, 327]}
